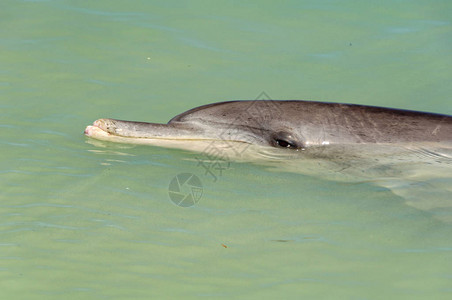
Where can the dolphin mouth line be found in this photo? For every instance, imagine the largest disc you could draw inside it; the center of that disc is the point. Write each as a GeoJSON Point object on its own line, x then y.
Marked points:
{"type": "Point", "coordinates": [95, 130]}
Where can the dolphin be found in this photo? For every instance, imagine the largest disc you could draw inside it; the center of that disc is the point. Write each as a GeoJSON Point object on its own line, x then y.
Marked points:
{"type": "Point", "coordinates": [292, 125]}
{"type": "Point", "coordinates": [408, 152]}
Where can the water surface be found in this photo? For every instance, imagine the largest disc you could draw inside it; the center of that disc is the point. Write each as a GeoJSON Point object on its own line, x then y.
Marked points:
{"type": "Point", "coordinates": [94, 220]}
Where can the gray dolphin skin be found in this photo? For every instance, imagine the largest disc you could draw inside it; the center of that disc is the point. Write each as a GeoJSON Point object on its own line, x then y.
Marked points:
{"type": "Point", "coordinates": [292, 125]}
{"type": "Point", "coordinates": [407, 152]}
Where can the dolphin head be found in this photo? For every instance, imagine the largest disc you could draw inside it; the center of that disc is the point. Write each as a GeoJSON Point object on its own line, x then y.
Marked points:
{"type": "Point", "coordinates": [261, 123]}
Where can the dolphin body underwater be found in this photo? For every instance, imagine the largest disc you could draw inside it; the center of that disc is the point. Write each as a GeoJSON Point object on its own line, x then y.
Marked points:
{"type": "Point", "coordinates": [395, 148]}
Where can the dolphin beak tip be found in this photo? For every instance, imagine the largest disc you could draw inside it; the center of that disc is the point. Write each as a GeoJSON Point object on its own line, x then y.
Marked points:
{"type": "Point", "coordinates": [98, 126]}
{"type": "Point", "coordinates": [88, 130]}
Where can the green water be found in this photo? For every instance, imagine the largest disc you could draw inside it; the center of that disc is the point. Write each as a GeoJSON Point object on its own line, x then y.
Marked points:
{"type": "Point", "coordinates": [94, 221]}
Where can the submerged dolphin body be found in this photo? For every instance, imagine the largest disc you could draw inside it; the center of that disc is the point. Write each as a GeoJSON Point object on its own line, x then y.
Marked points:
{"type": "Point", "coordinates": [398, 149]}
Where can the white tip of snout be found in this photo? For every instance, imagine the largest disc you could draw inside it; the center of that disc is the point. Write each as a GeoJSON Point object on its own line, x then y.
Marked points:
{"type": "Point", "coordinates": [94, 131]}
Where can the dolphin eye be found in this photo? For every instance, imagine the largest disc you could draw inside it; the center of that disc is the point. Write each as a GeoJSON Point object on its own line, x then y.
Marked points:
{"type": "Point", "coordinates": [284, 144]}
{"type": "Point", "coordinates": [285, 140]}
